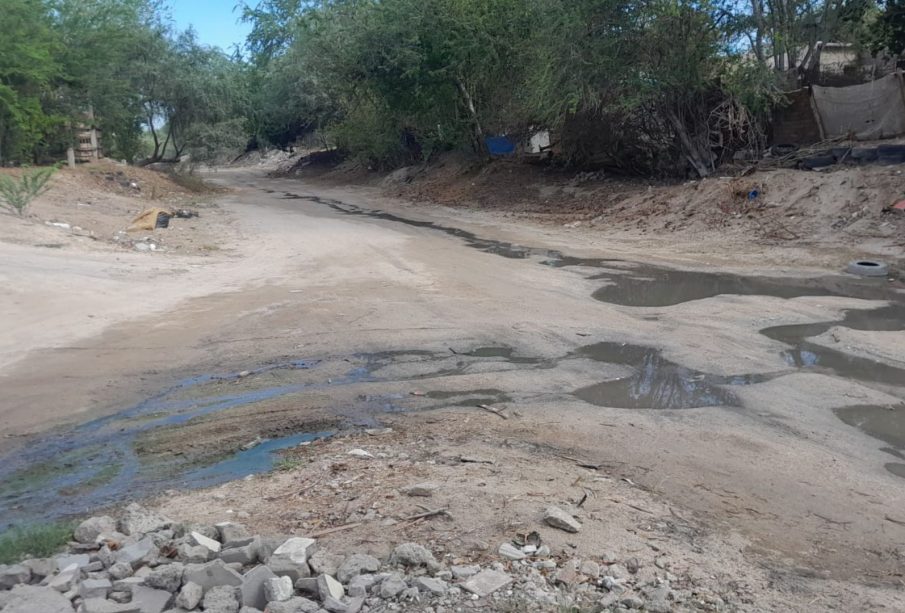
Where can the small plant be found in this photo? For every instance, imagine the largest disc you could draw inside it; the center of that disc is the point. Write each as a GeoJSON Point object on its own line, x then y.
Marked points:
{"type": "Point", "coordinates": [38, 541]}
{"type": "Point", "coordinates": [286, 464]}
{"type": "Point", "coordinates": [18, 193]}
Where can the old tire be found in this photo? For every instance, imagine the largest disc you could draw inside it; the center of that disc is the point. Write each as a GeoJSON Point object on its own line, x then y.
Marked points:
{"type": "Point", "coordinates": [867, 268]}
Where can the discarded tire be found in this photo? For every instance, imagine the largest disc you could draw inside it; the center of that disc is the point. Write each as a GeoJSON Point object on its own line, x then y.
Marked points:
{"type": "Point", "coordinates": [783, 150]}
{"type": "Point", "coordinates": [891, 154]}
{"type": "Point", "coordinates": [864, 154]}
{"type": "Point", "coordinates": [842, 153]}
{"type": "Point", "coordinates": [868, 268]}
{"type": "Point", "coordinates": [818, 161]}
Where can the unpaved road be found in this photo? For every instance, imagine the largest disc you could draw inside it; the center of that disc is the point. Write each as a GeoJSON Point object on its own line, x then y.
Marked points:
{"type": "Point", "coordinates": [666, 373]}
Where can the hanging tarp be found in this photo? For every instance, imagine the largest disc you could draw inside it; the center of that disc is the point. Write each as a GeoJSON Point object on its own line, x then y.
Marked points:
{"type": "Point", "coordinates": [868, 112]}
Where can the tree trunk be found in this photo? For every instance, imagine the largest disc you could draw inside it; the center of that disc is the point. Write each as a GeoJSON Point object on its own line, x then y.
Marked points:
{"type": "Point", "coordinates": [698, 158]}
{"type": "Point", "coordinates": [478, 131]}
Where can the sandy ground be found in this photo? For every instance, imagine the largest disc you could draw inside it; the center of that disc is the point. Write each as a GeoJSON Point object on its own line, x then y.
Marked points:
{"type": "Point", "coordinates": [787, 495]}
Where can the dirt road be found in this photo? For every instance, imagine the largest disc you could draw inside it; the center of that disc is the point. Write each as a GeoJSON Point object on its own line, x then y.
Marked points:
{"type": "Point", "coordinates": [702, 385]}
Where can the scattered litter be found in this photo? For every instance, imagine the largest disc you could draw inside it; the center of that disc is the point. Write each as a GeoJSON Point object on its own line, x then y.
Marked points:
{"type": "Point", "coordinates": [59, 224]}
{"type": "Point", "coordinates": [360, 453]}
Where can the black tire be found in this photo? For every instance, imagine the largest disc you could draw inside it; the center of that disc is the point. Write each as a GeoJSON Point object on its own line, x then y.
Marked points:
{"type": "Point", "coordinates": [783, 150]}
{"type": "Point", "coordinates": [818, 161]}
{"type": "Point", "coordinates": [867, 268]}
{"type": "Point", "coordinates": [891, 154]}
{"type": "Point", "coordinates": [842, 153]}
{"type": "Point", "coordinates": [864, 154]}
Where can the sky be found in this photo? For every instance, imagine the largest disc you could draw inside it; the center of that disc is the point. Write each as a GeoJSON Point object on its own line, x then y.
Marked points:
{"type": "Point", "coordinates": [215, 21]}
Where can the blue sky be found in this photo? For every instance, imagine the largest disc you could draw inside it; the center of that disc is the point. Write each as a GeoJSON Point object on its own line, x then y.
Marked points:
{"type": "Point", "coordinates": [215, 21]}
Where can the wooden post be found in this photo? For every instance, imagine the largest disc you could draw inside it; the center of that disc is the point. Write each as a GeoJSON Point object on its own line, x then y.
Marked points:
{"type": "Point", "coordinates": [70, 157]}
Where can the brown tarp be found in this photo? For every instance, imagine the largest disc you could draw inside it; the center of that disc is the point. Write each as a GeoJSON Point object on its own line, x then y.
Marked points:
{"type": "Point", "coordinates": [870, 111]}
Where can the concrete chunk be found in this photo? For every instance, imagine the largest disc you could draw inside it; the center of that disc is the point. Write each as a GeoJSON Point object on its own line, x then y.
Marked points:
{"type": "Point", "coordinates": [88, 531]}
{"type": "Point", "coordinates": [201, 540]}
{"type": "Point", "coordinates": [221, 599]}
{"type": "Point", "coordinates": [328, 586]}
{"type": "Point", "coordinates": [10, 576]}
{"type": "Point", "coordinates": [421, 489]}
{"type": "Point", "coordinates": [233, 535]}
{"type": "Point", "coordinates": [252, 586]}
{"type": "Point", "coordinates": [558, 518]}
{"type": "Point", "coordinates": [278, 589]}
{"type": "Point", "coordinates": [150, 600]}
{"type": "Point", "coordinates": [356, 564]}
{"type": "Point", "coordinates": [291, 558]}
{"type": "Point", "coordinates": [486, 582]}
{"type": "Point", "coordinates": [95, 588]}
{"type": "Point", "coordinates": [138, 520]}
{"type": "Point", "coordinates": [33, 598]}
{"type": "Point", "coordinates": [79, 559]}
{"type": "Point", "coordinates": [66, 580]}
{"type": "Point", "coordinates": [138, 553]}
{"type": "Point", "coordinates": [189, 596]}
{"type": "Point", "coordinates": [211, 575]}
{"type": "Point", "coordinates": [294, 605]}
{"type": "Point", "coordinates": [102, 605]}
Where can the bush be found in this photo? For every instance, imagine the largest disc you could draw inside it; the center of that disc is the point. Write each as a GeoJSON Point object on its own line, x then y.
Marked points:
{"type": "Point", "coordinates": [33, 541]}
{"type": "Point", "coordinates": [16, 194]}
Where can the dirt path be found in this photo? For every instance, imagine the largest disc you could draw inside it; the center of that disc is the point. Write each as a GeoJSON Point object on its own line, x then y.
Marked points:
{"type": "Point", "coordinates": [666, 374]}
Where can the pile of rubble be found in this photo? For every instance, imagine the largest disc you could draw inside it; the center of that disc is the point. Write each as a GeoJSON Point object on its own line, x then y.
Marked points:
{"type": "Point", "coordinates": [146, 563]}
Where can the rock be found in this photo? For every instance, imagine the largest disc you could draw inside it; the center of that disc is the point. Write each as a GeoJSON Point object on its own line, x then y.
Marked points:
{"type": "Point", "coordinates": [334, 606]}
{"type": "Point", "coordinates": [278, 589]}
{"type": "Point", "coordinates": [242, 554]}
{"type": "Point", "coordinates": [328, 586]}
{"type": "Point", "coordinates": [392, 586]}
{"type": "Point", "coordinates": [95, 588]}
{"type": "Point", "coordinates": [322, 562]}
{"type": "Point", "coordinates": [431, 586]}
{"type": "Point", "coordinates": [632, 602]}
{"type": "Point", "coordinates": [613, 585]}
{"type": "Point", "coordinates": [511, 552]}
{"type": "Point", "coordinates": [211, 575]}
{"type": "Point", "coordinates": [421, 489]}
{"type": "Point", "coordinates": [291, 558]}
{"type": "Point", "coordinates": [414, 555]}
{"type": "Point", "coordinates": [590, 568]}
{"type": "Point", "coordinates": [233, 535]}
{"type": "Point", "coordinates": [127, 584]}
{"type": "Point", "coordinates": [11, 576]}
{"type": "Point", "coordinates": [120, 570]}
{"type": "Point", "coordinates": [193, 554]}
{"type": "Point", "coordinates": [200, 540]}
{"type": "Point", "coordinates": [633, 565]}
{"type": "Point", "coordinates": [567, 576]}
{"type": "Point", "coordinates": [138, 553]}
{"type": "Point", "coordinates": [34, 599]}
{"type": "Point", "coordinates": [354, 605]}
{"type": "Point", "coordinates": [356, 564]}
{"type": "Point", "coordinates": [102, 605]}
{"type": "Point", "coordinates": [120, 597]}
{"type": "Point", "coordinates": [411, 593]}
{"type": "Point", "coordinates": [294, 605]}
{"type": "Point", "coordinates": [79, 559]}
{"type": "Point", "coordinates": [66, 580]}
{"type": "Point", "coordinates": [558, 518]}
{"type": "Point", "coordinates": [251, 589]}
{"type": "Point", "coordinates": [463, 572]}
{"type": "Point", "coordinates": [486, 582]}
{"type": "Point", "coordinates": [40, 567]}
{"type": "Point", "coordinates": [658, 599]}
{"type": "Point", "coordinates": [139, 520]}
{"type": "Point", "coordinates": [93, 527]}
{"type": "Point", "coordinates": [167, 577]}
{"type": "Point", "coordinates": [360, 453]}
{"type": "Point", "coordinates": [150, 600]}
{"type": "Point", "coordinates": [307, 585]}
{"type": "Point", "coordinates": [221, 599]}
{"type": "Point", "coordinates": [617, 571]}
{"type": "Point", "coordinates": [360, 584]}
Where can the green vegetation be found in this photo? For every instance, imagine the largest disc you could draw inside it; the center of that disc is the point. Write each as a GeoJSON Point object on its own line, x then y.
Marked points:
{"type": "Point", "coordinates": [642, 86]}
{"type": "Point", "coordinates": [33, 541]}
{"type": "Point", "coordinates": [17, 193]}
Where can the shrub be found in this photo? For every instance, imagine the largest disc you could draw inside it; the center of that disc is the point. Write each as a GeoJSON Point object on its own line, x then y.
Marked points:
{"type": "Point", "coordinates": [16, 193]}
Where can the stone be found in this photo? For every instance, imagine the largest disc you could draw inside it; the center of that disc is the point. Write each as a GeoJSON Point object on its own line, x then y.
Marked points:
{"type": "Point", "coordinates": [322, 562]}
{"type": "Point", "coordinates": [360, 584]}
{"type": "Point", "coordinates": [93, 527]}
{"type": "Point", "coordinates": [617, 571]}
{"type": "Point", "coordinates": [196, 538]}
{"type": "Point", "coordinates": [150, 600]}
{"type": "Point", "coordinates": [359, 453]}
{"type": "Point", "coordinates": [252, 587]}
{"type": "Point", "coordinates": [291, 558]}
{"type": "Point", "coordinates": [193, 554]}
{"type": "Point", "coordinates": [278, 589]}
{"type": "Point", "coordinates": [40, 567]}
{"type": "Point", "coordinates": [511, 552]}
{"type": "Point", "coordinates": [138, 553]}
{"type": "Point", "coordinates": [632, 602]}
{"type": "Point", "coordinates": [94, 567]}
{"type": "Point", "coordinates": [120, 570]}
{"type": "Point", "coordinates": [633, 565]}
{"type": "Point", "coordinates": [613, 585]}
{"type": "Point", "coordinates": [567, 576]}
{"type": "Point", "coordinates": [120, 597]}
{"type": "Point", "coordinates": [166, 577]}
{"type": "Point", "coordinates": [79, 559]}
{"type": "Point", "coordinates": [66, 580]}
{"type": "Point", "coordinates": [233, 535]}
{"type": "Point", "coordinates": [421, 489]}
{"type": "Point", "coordinates": [658, 599]}
{"type": "Point", "coordinates": [33, 598]}
{"type": "Point", "coordinates": [589, 568]}
{"type": "Point", "coordinates": [126, 585]}
{"type": "Point", "coordinates": [328, 586]}
{"type": "Point", "coordinates": [242, 554]}
{"type": "Point", "coordinates": [189, 596]}
{"type": "Point", "coordinates": [212, 574]}
{"type": "Point", "coordinates": [356, 564]}
{"type": "Point", "coordinates": [354, 605]}
{"type": "Point", "coordinates": [392, 586]}
{"type": "Point", "coordinates": [556, 517]}
{"type": "Point", "coordinates": [307, 585]}
{"type": "Point", "coordinates": [486, 582]}
{"type": "Point", "coordinates": [221, 599]}
{"type": "Point", "coordinates": [294, 605]}
{"type": "Point", "coordinates": [411, 593]}
{"type": "Point", "coordinates": [414, 555]}
{"type": "Point", "coordinates": [431, 586]}
{"type": "Point", "coordinates": [102, 605]}
{"type": "Point", "coordinates": [463, 572]}
{"type": "Point", "coordinates": [333, 605]}
{"type": "Point", "coordinates": [95, 588]}
{"type": "Point", "coordinates": [139, 520]}
{"type": "Point", "coordinates": [11, 576]}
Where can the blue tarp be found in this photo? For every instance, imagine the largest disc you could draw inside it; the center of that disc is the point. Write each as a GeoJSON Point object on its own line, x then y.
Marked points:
{"type": "Point", "coordinates": [499, 145]}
